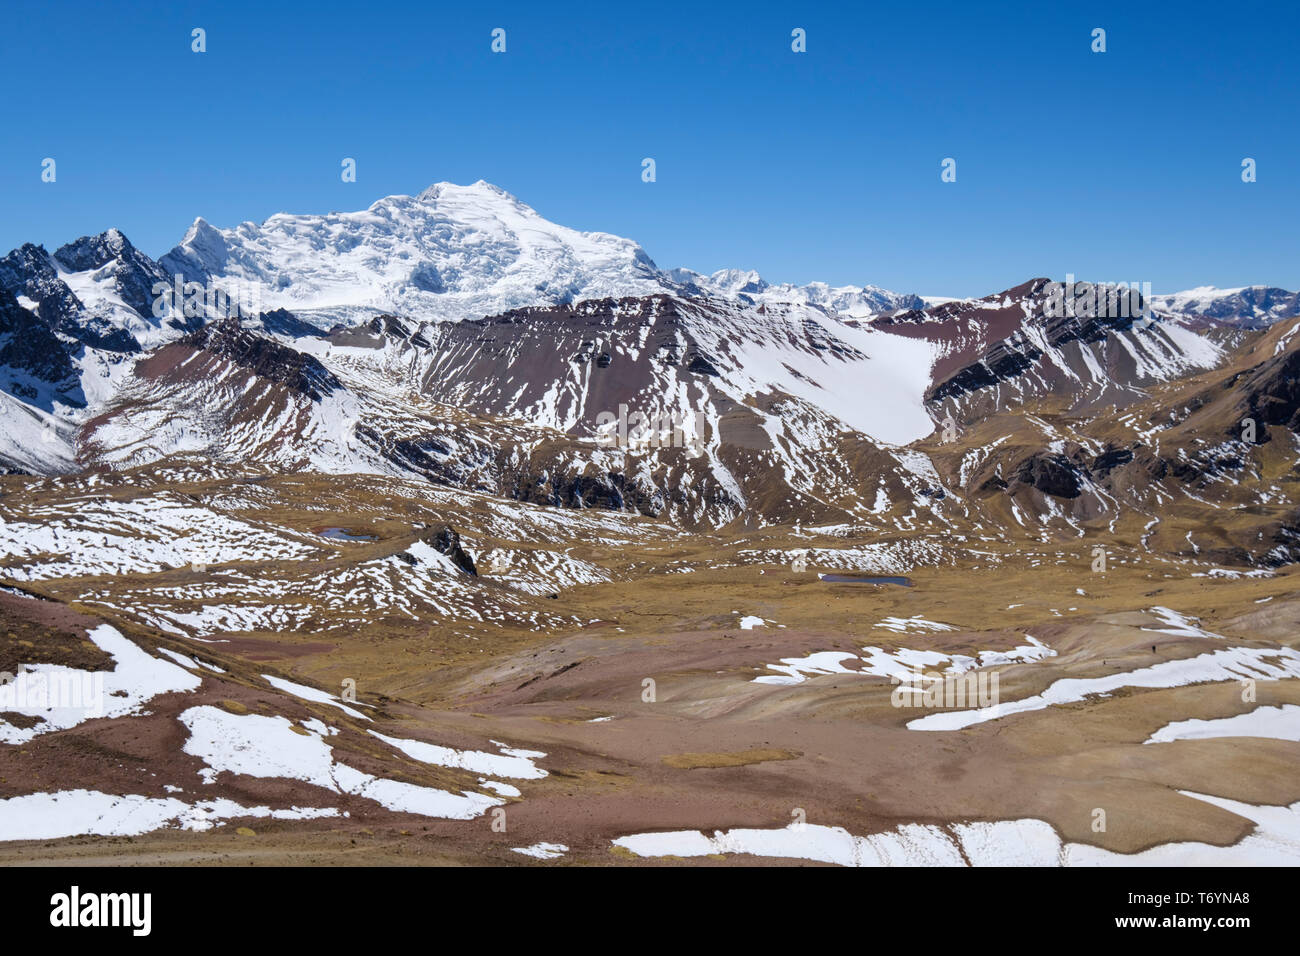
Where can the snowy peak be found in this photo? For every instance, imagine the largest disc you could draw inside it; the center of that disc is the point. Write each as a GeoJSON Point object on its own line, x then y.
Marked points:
{"type": "Point", "coordinates": [91, 252]}
{"type": "Point", "coordinates": [115, 281]}
{"type": "Point", "coordinates": [747, 287]}
{"type": "Point", "coordinates": [450, 252]}
{"type": "Point", "coordinates": [202, 252]}
{"type": "Point", "coordinates": [481, 191]}
{"type": "Point", "coordinates": [457, 252]}
{"type": "Point", "coordinates": [97, 291]}
{"type": "Point", "coordinates": [1251, 307]}
{"type": "Point", "coordinates": [734, 282]}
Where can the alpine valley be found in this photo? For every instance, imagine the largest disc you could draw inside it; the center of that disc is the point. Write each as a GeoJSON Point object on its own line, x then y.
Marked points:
{"type": "Point", "coordinates": [438, 532]}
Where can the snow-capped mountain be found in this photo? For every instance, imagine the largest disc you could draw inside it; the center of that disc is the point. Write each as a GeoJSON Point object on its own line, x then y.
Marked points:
{"type": "Point", "coordinates": [451, 252]}
{"type": "Point", "coordinates": [759, 413]}
{"type": "Point", "coordinates": [749, 288]}
{"type": "Point", "coordinates": [1252, 307]}
{"type": "Point", "coordinates": [1002, 350]}
{"type": "Point", "coordinates": [71, 325]}
{"type": "Point", "coordinates": [455, 252]}
{"type": "Point", "coordinates": [749, 411]}
{"type": "Point", "coordinates": [79, 317]}
{"type": "Point", "coordinates": [459, 338]}
{"type": "Point", "coordinates": [96, 291]}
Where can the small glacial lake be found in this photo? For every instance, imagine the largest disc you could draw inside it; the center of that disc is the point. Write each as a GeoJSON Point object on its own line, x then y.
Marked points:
{"type": "Point", "coordinates": [860, 579]}
{"type": "Point", "coordinates": [343, 534]}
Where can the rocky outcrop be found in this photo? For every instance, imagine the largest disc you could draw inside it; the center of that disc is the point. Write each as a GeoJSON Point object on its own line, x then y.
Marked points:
{"type": "Point", "coordinates": [612, 491]}
{"type": "Point", "coordinates": [1052, 474]}
{"type": "Point", "coordinates": [1005, 360]}
{"type": "Point", "coordinates": [701, 364]}
{"type": "Point", "coordinates": [29, 271]}
{"type": "Point", "coordinates": [1008, 358]}
{"type": "Point", "coordinates": [1109, 460]}
{"type": "Point", "coordinates": [32, 358]}
{"type": "Point", "coordinates": [446, 540]}
{"type": "Point", "coordinates": [1272, 395]}
{"type": "Point", "coordinates": [133, 273]}
{"type": "Point", "coordinates": [283, 322]}
{"type": "Point", "coordinates": [262, 356]}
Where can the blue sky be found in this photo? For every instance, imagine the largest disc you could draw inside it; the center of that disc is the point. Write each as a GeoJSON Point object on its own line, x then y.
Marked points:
{"type": "Point", "coordinates": [824, 165]}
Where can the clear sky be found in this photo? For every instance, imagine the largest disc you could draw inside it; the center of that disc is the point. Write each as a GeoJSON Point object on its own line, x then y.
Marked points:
{"type": "Point", "coordinates": [1123, 165]}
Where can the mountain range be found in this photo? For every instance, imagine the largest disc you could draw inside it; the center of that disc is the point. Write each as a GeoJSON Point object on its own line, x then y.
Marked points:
{"type": "Point", "coordinates": [459, 337]}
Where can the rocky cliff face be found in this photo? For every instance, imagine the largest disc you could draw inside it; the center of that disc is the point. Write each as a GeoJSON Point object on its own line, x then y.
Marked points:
{"type": "Point", "coordinates": [1026, 343]}
{"type": "Point", "coordinates": [446, 540]}
{"type": "Point", "coordinates": [34, 361]}
{"type": "Point", "coordinates": [265, 358]}
{"type": "Point", "coordinates": [31, 273]}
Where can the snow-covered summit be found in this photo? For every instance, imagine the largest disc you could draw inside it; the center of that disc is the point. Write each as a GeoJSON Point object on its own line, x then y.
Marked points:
{"type": "Point", "coordinates": [451, 252]}
{"type": "Point", "coordinates": [1253, 306]}
{"type": "Point", "coordinates": [454, 252]}
{"type": "Point", "coordinates": [750, 288]}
